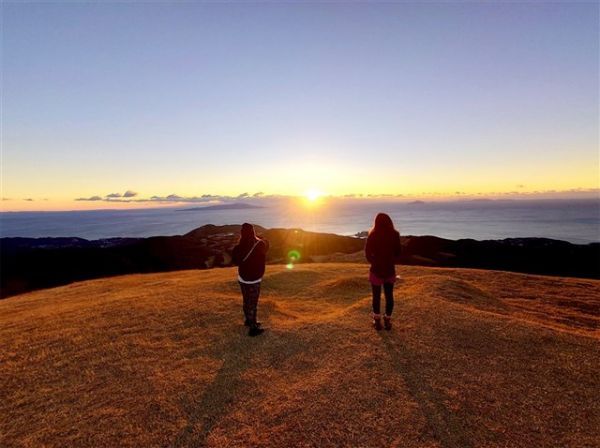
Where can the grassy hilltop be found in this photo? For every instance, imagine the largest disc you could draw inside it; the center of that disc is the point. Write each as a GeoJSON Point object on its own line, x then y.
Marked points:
{"type": "Point", "coordinates": [476, 358]}
{"type": "Point", "coordinates": [37, 263]}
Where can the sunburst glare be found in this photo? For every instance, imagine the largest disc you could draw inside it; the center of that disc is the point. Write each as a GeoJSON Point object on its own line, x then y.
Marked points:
{"type": "Point", "coordinates": [313, 195]}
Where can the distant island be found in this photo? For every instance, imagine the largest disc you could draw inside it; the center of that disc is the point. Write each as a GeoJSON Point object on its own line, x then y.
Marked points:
{"type": "Point", "coordinates": [234, 206]}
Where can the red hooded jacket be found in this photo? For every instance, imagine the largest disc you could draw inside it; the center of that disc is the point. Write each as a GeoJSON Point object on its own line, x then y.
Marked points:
{"type": "Point", "coordinates": [383, 251]}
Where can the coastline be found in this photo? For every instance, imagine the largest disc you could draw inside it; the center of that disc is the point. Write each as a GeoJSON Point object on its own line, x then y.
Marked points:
{"type": "Point", "coordinates": [36, 263]}
{"type": "Point", "coordinates": [575, 221]}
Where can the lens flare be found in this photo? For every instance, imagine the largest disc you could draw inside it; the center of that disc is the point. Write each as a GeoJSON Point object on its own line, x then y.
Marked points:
{"type": "Point", "coordinates": [293, 255]}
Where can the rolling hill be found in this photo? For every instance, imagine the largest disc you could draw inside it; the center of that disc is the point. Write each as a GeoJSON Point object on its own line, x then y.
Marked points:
{"type": "Point", "coordinates": [36, 263]}
{"type": "Point", "coordinates": [475, 358]}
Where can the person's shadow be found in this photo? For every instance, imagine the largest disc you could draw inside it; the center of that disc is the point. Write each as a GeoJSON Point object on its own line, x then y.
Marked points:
{"type": "Point", "coordinates": [239, 350]}
{"type": "Point", "coordinates": [445, 426]}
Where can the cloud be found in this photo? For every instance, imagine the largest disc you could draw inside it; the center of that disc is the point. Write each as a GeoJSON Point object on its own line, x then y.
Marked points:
{"type": "Point", "coordinates": [195, 199]}
{"type": "Point", "coordinates": [129, 197]}
{"type": "Point", "coordinates": [28, 199]}
{"type": "Point", "coordinates": [91, 198]}
{"type": "Point", "coordinates": [6, 199]}
{"type": "Point", "coordinates": [111, 197]}
{"type": "Point", "coordinates": [174, 198]}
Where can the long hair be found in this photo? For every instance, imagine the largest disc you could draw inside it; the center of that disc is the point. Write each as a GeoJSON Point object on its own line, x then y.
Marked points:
{"type": "Point", "coordinates": [247, 235]}
{"type": "Point", "coordinates": [383, 225]}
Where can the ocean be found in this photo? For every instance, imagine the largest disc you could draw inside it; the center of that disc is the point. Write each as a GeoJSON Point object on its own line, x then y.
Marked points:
{"type": "Point", "coordinates": [576, 221]}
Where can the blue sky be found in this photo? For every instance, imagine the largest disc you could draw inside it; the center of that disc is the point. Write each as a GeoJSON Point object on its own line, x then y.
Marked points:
{"type": "Point", "coordinates": [193, 99]}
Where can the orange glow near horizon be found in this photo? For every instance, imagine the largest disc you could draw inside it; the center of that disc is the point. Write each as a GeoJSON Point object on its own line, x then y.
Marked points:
{"type": "Point", "coordinates": [310, 198]}
{"type": "Point", "coordinates": [310, 178]}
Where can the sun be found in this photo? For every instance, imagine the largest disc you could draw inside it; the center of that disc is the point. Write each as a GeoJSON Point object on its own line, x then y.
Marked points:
{"type": "Point", "coordinates": [313, 195]}
{"type": "Point", "coordinates": [312, 198]}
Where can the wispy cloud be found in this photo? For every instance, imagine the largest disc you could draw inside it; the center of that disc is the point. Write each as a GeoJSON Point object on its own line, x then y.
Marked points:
{"type": "Point", "coordinates": [111, 197]}
{"type": "Point", "coordinates": [193, 199]}
{"type": "Point", "coordinates": [92, 198]}
{"type": "Point", "coordinates": [131, 197]}
{"type": "Point", "coordinates": [173, 198]}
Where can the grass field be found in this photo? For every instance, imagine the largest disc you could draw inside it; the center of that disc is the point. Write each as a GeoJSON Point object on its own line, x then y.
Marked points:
{"type": "Point", "coordinates": [475, 359]}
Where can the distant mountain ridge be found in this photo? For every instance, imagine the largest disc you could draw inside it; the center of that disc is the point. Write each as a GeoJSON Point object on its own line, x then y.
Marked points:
{"type": "Point", "coordinates": [34, 263]}
{"type": "Point", "coordinates": [234, 206]}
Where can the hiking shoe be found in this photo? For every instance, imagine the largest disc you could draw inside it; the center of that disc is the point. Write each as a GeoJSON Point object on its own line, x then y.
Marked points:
{"type": "Point", "coordinates": [255, 331]}
{"type": "Point", "coordinates": [387, 322]}
{"type": "Point", "coordinates": [248, 323]}
{"type": "Point", "coordinates": [377, 322]}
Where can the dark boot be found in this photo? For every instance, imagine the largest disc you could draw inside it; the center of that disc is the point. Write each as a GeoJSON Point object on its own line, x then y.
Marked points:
{"type": "Point", "coordinates": [248, 323]}
{"type": "Point", "coordinates": [255, 330]}
{"type": "Point", "coordinates": [377, 321]}
{"type": "Point", "coordinates": [387, 322]}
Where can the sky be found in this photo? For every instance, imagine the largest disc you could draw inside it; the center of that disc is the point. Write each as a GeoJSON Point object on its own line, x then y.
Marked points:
{"type": "Point", "coordinates": [214, 100]}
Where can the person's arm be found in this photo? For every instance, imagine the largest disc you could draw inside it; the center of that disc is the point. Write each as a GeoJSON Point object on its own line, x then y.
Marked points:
{"type": "Point", "coordinates": [397, 247]}
{"type": "Point", "coordinates": [369, 250]}
{"type": "Point", "coordinates": [235, 255]}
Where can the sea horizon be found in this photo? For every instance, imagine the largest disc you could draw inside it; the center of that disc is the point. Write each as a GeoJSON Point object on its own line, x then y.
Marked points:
{"type": "Point", "coordinates": [573, 220]}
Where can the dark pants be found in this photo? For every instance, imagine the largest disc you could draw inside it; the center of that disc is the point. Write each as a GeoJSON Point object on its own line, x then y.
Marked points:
{"type": "Point", "coordinates": [250, 294]}
{"type": "Point", "coordinates": [388, 289]}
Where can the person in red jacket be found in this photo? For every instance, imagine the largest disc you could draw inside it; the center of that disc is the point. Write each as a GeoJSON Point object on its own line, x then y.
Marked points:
{"type": "Point", "coordinates": [382, 251]}
{"type": "Point", "coordinates": [250, 257]}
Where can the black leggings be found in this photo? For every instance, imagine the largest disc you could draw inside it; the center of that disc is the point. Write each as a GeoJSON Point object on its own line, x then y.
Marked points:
{"type": "Point", "coordinates": [388, 290]}
{"type": "Point", "coordinates": [250, 294]}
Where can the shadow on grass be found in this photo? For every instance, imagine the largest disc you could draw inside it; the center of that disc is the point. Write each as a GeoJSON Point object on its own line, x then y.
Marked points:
{"type": "Point", "coordinates": [227, 387]}
{"type": "Point", "coordinates": [445, 426]}
{"type": "Point", "coordinates": [216, 398]}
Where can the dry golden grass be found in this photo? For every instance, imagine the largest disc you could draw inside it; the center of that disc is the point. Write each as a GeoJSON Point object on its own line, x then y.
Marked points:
{"type": "Point", "coordinates": [476, 358]}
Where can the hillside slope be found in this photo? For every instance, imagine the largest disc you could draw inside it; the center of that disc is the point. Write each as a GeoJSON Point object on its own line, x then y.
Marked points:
{"type": "Point", "coordinates": [37, 263]}
{"type": "Point", "coordinates": [476, 358]}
